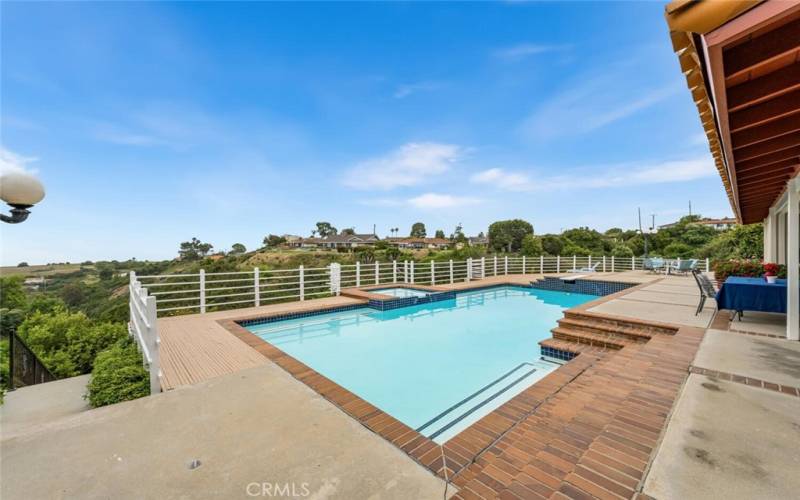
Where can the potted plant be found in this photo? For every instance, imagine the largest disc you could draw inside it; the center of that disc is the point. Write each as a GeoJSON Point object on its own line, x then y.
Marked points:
{"type": "Point", "coordinates": [771, 272]}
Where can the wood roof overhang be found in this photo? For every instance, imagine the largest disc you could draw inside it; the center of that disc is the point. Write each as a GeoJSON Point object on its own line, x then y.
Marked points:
{"type": "Point", "coordinates": [741, 60]}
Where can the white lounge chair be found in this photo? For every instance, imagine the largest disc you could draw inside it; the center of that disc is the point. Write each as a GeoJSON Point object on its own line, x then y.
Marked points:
{"type": "Point", "coordinates": [591, 269]}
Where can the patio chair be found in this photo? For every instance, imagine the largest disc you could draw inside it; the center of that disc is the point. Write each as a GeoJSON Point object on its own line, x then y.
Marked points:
{"type": "Point", "coordinates": [683, 267]}
{"type": "Point", "coordinates": [654, 264]}
{"type": "Point", "coordinates": [707, 290]}
{"type": "Point", "coordinates": [591, 269]}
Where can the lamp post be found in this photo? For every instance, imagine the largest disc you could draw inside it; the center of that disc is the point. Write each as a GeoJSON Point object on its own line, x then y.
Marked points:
{"type": "Point", "coordinates": [21, 191]}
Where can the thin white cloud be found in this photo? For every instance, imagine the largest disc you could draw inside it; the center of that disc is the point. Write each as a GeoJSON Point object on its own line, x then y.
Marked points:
{"type": "Point", "coordinates": [613, 176]}
{"type": "Point", "coordinates": [11, 162]}
{"type": "Point", "coordinates": [424, 201]}
{"type": "Point", "coordinates": [524, 50]}
{"type": "Point", "coordinates": [592, 103]}
{"type": "Point", "coordinates": [405, 90]}
{"type": "Point", "coordinates": [436, 200]}
{"type": "Point", "coordinates": [512, 181]}
{"type": "Point", "coordinates": [408, 165]}
{"type": "Point", "coordinates": [107, 132]}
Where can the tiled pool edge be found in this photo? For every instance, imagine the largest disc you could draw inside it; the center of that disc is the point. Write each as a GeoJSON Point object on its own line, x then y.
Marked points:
{"type": "Point", "coordinates": [465, 448]}
{"type": "Point", "coordinates": [478, 436]}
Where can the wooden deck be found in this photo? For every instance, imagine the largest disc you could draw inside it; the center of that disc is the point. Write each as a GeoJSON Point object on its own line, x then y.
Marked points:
{"type": "Point", "coordinates": [195, 347]}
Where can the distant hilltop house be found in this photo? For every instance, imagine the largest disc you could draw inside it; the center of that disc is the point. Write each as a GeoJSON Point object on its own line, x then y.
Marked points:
{"type": "Point", "coordinates": [35, 283]}
{"type": "Point", "coordinates": [291, 238]}
{"type": "Point", "coordinates": [335, 241]}
{"type": "Point", "coordinates": [419, 243]}
{"type": "Point", "coordinates": [718, 224]}
{"type": "Point", "coordinates": [478, 241]}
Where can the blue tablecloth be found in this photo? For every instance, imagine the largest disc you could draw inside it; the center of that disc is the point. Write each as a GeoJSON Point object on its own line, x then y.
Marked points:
{"type": "Point", "coordinates": [752, 294]}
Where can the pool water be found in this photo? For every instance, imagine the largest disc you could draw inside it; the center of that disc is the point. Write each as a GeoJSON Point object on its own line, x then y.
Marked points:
{"type": "Point", "coordinates": [400, 292]}
{"type": "Point", "coordinates": [436, 367]}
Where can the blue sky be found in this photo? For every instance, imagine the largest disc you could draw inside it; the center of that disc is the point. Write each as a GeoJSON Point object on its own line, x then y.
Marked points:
{"type": "Point", "coordinates": [151, 123]}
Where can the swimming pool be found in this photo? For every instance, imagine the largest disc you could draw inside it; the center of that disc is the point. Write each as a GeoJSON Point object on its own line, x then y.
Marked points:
{"type": "Point", "coordinates": [400, 292]}
{"type": "Point", "coordinates": [436, 367]}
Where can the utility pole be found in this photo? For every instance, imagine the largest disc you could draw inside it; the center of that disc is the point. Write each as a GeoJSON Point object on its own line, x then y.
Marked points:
{"type": "Point", "coordinates": [690, 208]}
{"type": "Point", "coordinates": [653, 225]}
{"type": "Point", "coordinates": [644, 236]}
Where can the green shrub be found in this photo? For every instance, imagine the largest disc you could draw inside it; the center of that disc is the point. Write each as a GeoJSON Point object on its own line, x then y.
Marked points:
{"type": "Point", "coordinates": [621, 250]}
{"type": "Point", "coordinates": [532, 246]}
{"type": "Point", "coordinates": [678, 251]}
{"type": "Point", "coordinates": [118, 375]}
{"type": "Point", "coordinates": [66, 342]}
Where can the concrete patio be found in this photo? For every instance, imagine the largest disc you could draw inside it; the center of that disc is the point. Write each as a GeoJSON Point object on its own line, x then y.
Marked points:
{"type": "Point", "coordinates": [259, 425]}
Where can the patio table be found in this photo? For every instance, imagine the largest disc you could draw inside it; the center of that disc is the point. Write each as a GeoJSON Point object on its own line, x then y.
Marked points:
{"type": "Point", "coordinates": [752, 294]}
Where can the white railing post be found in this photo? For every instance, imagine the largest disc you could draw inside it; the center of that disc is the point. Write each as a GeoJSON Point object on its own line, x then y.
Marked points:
{"type": "Point", "coordinates": [558, 263]}
{"type": "Point", "coordinates": [302, 283]}
{"type": "Point", "coordinates": [405, 271]}
{"type": "Point", "coordinates": [469, 268]}
{"type": "Point", "coordinates": [377, 273]}
{"type": "Point", "coordinates": [633, 263]}
{"type": "Point", "coordinates": [256, 288]}
{"type": "Point", "coordinates": [433, 274]}
{"type": "Point", "coordinates": [612, 264]}
{"type": "Point", "coordinates": [604, 263]}
{"type": "Point", "coordinates": [708, 266]}
{"type": "Point", "coordinates": [153, 342]}
{"type": "Point", "coordinates": [202, 291]}
{"type": "Point", "coordinates": [358, 274]}
{"type": "Point", "coordinates": [336, 278]}
{"type": "Point", "coordinates": [505, 265]}
{"type": "Point", "coordinates": [451, 271]}
{"type": "Point", "coordinates": [574, 262]}
{"type": "Point", "coordinates": [412, 272]}
{"type": "Point", "coordinates": [483, 267]}
{"type": "Point", "coordinates": [394, 271]}
{"type": "Point", "coordinates": [541, 264]}
{"type": "Point", "coordinates": [590, 260]}
{"type": "Point", "coordinates": [494, 270]}
{"type": "Point", "coordinates": [523, 264]}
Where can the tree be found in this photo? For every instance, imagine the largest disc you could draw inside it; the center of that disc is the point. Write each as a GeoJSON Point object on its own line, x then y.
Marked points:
{"type": "Point", "coordinates": [552, 244]}
{"type": "Point", "coordinates": [508, 234]}
{"type": "Point", "coordinates": [194, 249]}
{"type": "Point", "coordinates": [22, 264]}
{"type": "Point", "coordinates": [571, 248]}
{"type": "Point", "coordinates": [324, 229]}
{"type": "Point", "coordinates": [66, 342]}
{"type": "Point", "coordinates": [678, 250]}
{"type": "Point", "coordinates": [586, 238]}
{"type": "Point", "coordinates": [238, 249]}
{"type": "Point", "coordinates": [418, 230]}
{"type": "Point", "coordinates": [440, 233]}
{"type": "Point", "coordinates": [105, 271]}
{"type": "Point", "coordinates": [273, 240]}
{"type": "Point", "coordinates": [348, 231]}
{"type": "Point", "coordinates": [532, 246]}
{"type": "Point", "coordinates": [458, 235]}
{"type": "Point", "coordinates": [72, 295]}
{"type": "Point", "coordinates": [621, 250]}
{"type": "Point", "coordinates": [12, 292]}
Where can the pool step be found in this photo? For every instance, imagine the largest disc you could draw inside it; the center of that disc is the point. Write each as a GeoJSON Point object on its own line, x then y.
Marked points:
{"type": "Point", "coordinates": [592, 326]}
{"type": "Point", "coordinates": [622, 324]}
{"type": "Point", "coordinates": [593, 339]}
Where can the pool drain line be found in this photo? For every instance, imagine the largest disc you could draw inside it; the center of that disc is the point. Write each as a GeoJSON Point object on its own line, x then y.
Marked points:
{"type": "Point", "coordinates": [476, 394]}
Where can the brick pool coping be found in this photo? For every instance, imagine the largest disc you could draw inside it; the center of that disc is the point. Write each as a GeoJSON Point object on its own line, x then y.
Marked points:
{"type": "Point", "coordinates": [468, 459]}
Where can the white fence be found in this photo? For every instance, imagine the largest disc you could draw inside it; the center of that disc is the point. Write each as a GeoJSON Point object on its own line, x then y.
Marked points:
{"type": "Point", "coordinates": [142, 327]}
{"type": "Point", "coordinates": [203, 292]}
{"type": "Point", "coordinates": [171, 294]}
